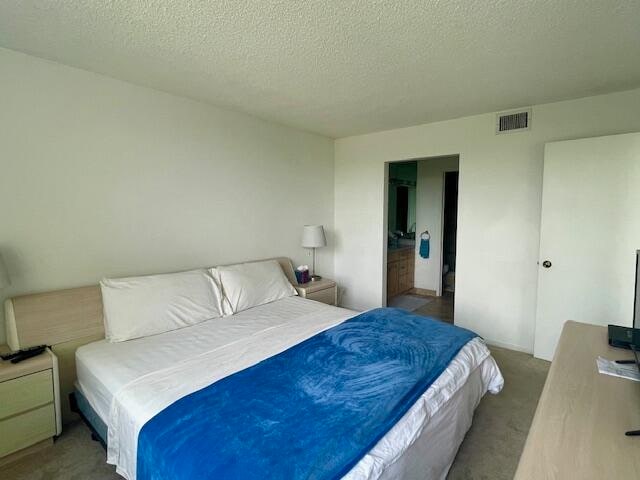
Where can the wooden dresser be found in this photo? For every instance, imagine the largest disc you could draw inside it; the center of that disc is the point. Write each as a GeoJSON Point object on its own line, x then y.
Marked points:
{"type": "Point", "coordinates": [400, 270]}
{"type": "Point", "coordinates": [578, 429]}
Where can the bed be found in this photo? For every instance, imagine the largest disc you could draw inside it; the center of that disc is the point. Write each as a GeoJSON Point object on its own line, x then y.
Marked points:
{"type": "Point", "coordinates": [121, 386]}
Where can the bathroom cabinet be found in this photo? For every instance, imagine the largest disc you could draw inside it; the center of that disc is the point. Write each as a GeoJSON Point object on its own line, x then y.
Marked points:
{"type": "Point", "coordinates": [400, 270]}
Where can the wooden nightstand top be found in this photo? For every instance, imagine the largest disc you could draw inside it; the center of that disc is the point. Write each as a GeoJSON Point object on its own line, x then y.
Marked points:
{"type": "Point", "coordinates": [316, 286]}
{"type": "Point", "coordinates": [9, 371]}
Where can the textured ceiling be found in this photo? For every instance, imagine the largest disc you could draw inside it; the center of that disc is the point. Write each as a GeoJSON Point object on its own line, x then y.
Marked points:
{"type": "Point", "coordinates": [341, 67]}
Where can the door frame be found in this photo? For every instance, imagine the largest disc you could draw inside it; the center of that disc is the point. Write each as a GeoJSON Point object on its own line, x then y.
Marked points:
{"type": "Point", "coordinates": [385, 219]}
{"type": "Point", "coordinates": [440, 285]}
{"type": "Point", "coordinates": [440, 289]}
{"type": "Point", "coordinates": [385, 227]}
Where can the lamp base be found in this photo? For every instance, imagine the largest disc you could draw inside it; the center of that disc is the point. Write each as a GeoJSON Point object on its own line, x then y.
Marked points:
{"type": "Point", "coordinates": [315, 278]}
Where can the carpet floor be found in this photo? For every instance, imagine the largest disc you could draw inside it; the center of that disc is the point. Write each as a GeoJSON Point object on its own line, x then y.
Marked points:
{"type": "Point", "coordinates": [490, 450]}
{"type": "Point", "coordinates": [492, 447]}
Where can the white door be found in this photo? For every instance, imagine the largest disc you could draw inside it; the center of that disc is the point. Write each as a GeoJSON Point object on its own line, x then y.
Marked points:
{"type": "Point", "coordinates": [590, 232]}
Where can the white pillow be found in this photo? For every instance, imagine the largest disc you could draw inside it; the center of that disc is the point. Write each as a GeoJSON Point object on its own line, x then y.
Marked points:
{"type": "Point", "coordinates": [141, 306]}
{"type": "Point", "coordinates": [248, 285]}
{"type": "Point", "coordinates": [225, 304]}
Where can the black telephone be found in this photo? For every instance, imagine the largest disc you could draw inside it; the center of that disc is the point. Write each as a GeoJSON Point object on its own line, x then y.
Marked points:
{"type": "Point", "coordinates": [20, 355]}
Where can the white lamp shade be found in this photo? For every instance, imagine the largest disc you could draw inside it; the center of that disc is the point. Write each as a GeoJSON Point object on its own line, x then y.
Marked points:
{"type": "Point", "coordinates": [313, 236]}
{"type": "Point", "coordinates": [4, 274]}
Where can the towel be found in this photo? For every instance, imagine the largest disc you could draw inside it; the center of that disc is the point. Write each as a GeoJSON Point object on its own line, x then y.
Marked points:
{"type": "Point", "coordinates": [424, 247]}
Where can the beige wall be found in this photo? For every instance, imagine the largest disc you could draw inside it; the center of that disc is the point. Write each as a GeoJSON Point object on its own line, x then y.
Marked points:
{"type": "Point", "coordinates": [499, 207]}
{"type": "Point", "coordinates": [99, 177]}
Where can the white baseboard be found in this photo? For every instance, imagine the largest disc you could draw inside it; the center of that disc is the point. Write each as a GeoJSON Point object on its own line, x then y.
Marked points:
{"type": "Point", "coordinates": [508, 346]}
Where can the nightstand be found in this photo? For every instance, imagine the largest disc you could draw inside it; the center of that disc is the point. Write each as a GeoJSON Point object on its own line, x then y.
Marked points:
{"type": "Point", "coordinates": [324, 290]}
{"type": "Point", "coordinates": [29, 402]}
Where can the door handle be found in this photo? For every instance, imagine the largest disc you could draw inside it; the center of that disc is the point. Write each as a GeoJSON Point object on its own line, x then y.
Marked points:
{"type": "Point", "coordinates": [546, 264]}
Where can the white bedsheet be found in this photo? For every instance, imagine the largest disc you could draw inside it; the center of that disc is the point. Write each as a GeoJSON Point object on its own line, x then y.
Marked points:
{"type": "Point", "coordinates": [128, 383]}
{"type": "Point", "coordinates": [103, 368]}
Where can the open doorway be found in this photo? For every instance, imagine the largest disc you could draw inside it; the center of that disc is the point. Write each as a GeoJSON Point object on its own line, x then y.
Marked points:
{"type": "Point", "coordinates": [421, 237]}
{"type": "Point", "coordinates": [449, 232]}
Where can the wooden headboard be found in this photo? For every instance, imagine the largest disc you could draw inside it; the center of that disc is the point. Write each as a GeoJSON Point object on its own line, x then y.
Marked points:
{"type": "Point", "coordinates": [66, 320]}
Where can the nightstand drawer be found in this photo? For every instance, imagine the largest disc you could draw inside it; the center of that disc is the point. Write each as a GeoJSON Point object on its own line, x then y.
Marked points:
{"type": "Point", "coordinates": [27, 429]}
{"type": "Point", "coordinates": [25, 393]}
{"type": "Point", "coordinates": [328, 295]}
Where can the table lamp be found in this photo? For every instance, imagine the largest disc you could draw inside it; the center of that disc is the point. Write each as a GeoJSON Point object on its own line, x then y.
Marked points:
{"type": "Point", "coordinates": [313, 237]}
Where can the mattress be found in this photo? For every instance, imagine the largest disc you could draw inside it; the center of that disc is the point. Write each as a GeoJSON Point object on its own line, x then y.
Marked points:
{"type": "Point", "coordinates": [128, 383]}
{"type": "Point", "coordinates": [103, 368]}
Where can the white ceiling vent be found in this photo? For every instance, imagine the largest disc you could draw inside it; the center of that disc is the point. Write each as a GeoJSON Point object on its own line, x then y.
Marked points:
{"type": "Point", "coordinates": [513, 121]}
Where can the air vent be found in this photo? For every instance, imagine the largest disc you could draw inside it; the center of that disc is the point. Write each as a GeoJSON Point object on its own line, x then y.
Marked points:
{"type": "Point", "coordinates": [517, 121]}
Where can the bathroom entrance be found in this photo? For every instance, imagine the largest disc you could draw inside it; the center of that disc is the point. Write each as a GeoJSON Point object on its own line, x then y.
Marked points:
{"type": "Point", "coordinates": [422, 217]}
{"type": "Point", "coordinates": [449, 232]}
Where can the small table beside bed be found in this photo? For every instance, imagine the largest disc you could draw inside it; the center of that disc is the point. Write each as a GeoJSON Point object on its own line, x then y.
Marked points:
{"type": "Point", "coordinates": [226, 373]}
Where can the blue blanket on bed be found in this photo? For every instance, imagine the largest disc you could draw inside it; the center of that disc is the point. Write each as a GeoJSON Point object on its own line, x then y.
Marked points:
{"type": "Point", "coordinates": [312, 411]}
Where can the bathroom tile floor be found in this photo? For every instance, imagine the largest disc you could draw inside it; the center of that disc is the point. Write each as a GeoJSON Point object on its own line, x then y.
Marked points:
{"type": "Point", "coordinates": [440, 308]}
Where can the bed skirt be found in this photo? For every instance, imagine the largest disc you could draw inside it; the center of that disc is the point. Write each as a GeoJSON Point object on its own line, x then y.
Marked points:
{"type": "Point", "coordinates": [90, 417]}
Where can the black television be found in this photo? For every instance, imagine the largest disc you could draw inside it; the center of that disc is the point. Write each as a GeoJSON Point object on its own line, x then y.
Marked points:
{"type": "Point", "coordinates": [635, 343]}
{"type": "Point", "coordinates": [625, 337]}
{"type": "Point", "coordinates": [636, 299]}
